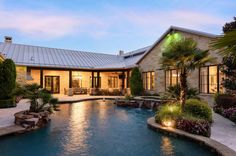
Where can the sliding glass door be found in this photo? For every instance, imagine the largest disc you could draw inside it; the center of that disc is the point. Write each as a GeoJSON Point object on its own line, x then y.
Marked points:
{"type": "Point", "coordinates": [52, 84]}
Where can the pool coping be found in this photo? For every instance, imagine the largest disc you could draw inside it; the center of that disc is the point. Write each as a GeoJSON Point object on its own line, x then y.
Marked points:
{"type": "Point", "coordinates": [13, 129]}
{"type": "Point", "coordinates": [88, 99]}
{"type": "Point", "coordinates": [210, 143]}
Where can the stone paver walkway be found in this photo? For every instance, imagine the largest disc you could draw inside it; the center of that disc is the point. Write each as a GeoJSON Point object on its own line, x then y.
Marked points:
{"type": "Point", "coordinates": [224, 131]}
{"type": "Point", "coordinates": [7, 115]}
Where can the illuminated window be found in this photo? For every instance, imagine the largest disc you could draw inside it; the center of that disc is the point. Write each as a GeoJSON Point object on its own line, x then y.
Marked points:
{"type": "Point", "coordinates": [210, 79]}
{"type": "Point", "coordinates": [76, 79]}
{"type": "Point", "coordinates": [149, 80]}
{"type": "Point", "coordinates": [112, 81]}
{"type": "Point", "coordinates": [172, 77]}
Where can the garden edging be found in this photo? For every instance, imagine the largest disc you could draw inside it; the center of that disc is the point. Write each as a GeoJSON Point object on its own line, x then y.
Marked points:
{"type": "Point", "coordinates": [212, 144]}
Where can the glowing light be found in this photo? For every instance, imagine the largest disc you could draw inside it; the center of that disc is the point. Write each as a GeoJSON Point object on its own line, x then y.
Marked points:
{"type": "Point", "coordinates": [168, 123]}
{"type": "Point", "coordinates": [171, 109]}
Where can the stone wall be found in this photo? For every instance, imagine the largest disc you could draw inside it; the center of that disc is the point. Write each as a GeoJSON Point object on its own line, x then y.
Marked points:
{"type": "Point", "coordinates": [21, 75]}
{"type": "Point", "coordinates": [151, 62]}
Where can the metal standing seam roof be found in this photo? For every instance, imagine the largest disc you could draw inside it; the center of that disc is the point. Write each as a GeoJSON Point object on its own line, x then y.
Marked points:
{"type": "Point", "coordinates": [36, 56]}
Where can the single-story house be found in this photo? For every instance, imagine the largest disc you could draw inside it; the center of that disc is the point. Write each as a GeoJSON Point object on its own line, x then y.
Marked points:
{"type": "Point", "coordinates": [59, 69]}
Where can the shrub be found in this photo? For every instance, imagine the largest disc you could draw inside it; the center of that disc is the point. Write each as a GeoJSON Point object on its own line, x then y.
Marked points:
{"type": "Point", "coordinates": [225, 100]}
{"type": "Point", "coordinates": [7, 103]}
{"type": "Point", "coordinates": [228, 113]}
{"type": "Point", "coordinates": [7, 79]}
{"type": "Point", "coordinates": [199, 127]}
{"type": "Point", "coordinates": [136, 83]}
{"type": "Point", "coordinates": [40, 99]}
{"type": "Point", "coordinates": [168, 112]}
{"type": "Point", "coordinates": [199, 109]}
{"type": "Point", "coordinates": [218, 109]}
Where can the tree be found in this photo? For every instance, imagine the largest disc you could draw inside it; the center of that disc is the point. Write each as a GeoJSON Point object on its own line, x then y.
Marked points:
{"type": "Point", "coordinates": [182, 54]}
{"type": "Point", "coordinates": [136, 83]}
{"type": "Point", "coordinates": [7, 79]}
{"type": "Point", "coordinates": [226, 46]}
{"type": "Point", "coordinates": [229, 26]}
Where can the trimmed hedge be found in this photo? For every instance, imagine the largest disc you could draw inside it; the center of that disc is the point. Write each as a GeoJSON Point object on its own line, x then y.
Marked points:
{"type": "Point", "coordinates": [7, 103]}
{"type": "Point", "coordinates": [198, 109]}
{"type": "Point", "coordinates": [225, 101]}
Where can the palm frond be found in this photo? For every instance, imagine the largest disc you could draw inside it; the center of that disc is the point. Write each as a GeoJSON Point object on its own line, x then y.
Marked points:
{"type": "Point", "coordinates": [226, 44]}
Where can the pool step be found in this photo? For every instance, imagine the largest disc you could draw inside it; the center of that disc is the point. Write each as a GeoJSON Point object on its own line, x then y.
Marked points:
{"type": "Point", "coordinates": [14, 129]}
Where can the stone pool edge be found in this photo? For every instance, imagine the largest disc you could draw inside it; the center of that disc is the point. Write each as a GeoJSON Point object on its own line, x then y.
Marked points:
{"type": "Point", "coordinates": [210, 143]}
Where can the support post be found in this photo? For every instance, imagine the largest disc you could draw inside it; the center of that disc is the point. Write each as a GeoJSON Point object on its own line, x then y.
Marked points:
{"type": "Point", "coordinates": [92, 79]}
{"type": "Point", "coordinates": [98, 80]}
{"type": "Point", "coordinates": [123, 80]}
{"type": "Point", "coordinates": [41, 77]}
{"type": "Point", "coordinates": [127, 79]}
{"type": "Point", "coordinates": [70, 79]}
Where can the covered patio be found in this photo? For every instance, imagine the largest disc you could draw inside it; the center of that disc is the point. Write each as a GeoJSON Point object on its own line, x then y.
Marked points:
{"type": "Point", "coordinates": [80, 81]}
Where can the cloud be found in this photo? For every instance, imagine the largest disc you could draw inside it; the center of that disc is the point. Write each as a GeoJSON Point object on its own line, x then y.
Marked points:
{"type": "Point", "coordinates": [154, 20]}
{"type": "Point", "coordinates": [49, 24]}
{"type": "Point", "coordinates": [44, 24]}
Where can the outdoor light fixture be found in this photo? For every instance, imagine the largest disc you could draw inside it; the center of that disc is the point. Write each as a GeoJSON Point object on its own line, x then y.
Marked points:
{"type": "Point", "coordinates": [168, 123]}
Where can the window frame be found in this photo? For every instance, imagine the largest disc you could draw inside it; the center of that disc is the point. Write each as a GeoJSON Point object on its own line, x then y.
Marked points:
{"type": "Point", "coordinates": [148, 80]}
{"type": "Point", "coordinates": [170, 77]}
{"type": "Point", "coordinates": [218, 66]}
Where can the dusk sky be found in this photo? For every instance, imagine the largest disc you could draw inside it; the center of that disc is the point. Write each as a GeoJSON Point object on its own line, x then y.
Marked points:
{"type": "Point", "coordinates": [107, 25]}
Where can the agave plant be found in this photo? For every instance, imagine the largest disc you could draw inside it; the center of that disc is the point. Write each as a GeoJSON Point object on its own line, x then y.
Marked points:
{"type": "Point", "coordinates": [40, 99]}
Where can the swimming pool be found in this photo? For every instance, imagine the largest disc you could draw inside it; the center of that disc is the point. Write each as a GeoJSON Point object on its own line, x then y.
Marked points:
{"type": "Point", "coordinates": [98, 128]}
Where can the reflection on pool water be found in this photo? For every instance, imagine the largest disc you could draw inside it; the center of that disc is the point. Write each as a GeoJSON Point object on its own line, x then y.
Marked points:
{"type": "Point", "coordinates": [97, 128]}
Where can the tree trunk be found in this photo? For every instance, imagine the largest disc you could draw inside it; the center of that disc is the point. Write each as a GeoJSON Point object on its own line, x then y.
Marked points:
{"type": "Point", "coordinates": [183, 88]}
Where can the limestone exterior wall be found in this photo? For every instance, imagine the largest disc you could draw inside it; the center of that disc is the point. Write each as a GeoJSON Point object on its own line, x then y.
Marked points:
{"type": "Point", "coordinates": [21, 75]}
{"type": "Point", "coordinates": [151, 62]}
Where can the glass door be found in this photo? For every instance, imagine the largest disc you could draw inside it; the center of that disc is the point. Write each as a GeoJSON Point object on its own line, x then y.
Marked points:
{"type": "Point", "coordinates": [52, 84]}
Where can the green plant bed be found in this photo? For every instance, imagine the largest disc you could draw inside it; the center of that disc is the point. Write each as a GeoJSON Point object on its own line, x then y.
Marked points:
{"type": "Point", "coordinates": [7, 103]}
{"type": "Point", "coordinates": [195, 119]}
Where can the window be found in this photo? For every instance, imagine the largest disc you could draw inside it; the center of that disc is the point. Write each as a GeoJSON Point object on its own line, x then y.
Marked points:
{"type": "Point", "coordinates": [149, 80]}
{"type": "Point", "coordinates": [204, 80]}
{"type": "Point", "coordinates": [112, 81]}
{"type": "Point", "coordinates": [210, 79]}
{"type": "Point", "coordinates": [172, 77]}
{"type": "Point", "coordinates": [95, 82]}
{"type": "Point", "coordinates": [76, 80]}
{"type": "Point", "coordinates": [52, 84]}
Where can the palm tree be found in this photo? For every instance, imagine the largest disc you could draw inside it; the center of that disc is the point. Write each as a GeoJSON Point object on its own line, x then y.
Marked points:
{"type": "Point", "coordinates": [226, 44]}
{"type": "Point", "coordinates": [39, 98]}
{"type": "Point", "coordinates": [182, 54]}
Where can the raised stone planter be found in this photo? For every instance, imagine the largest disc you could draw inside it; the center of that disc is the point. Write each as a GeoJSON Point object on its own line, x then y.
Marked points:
{"type": "Point", "coordinates": [32, 120]}
{"type": "Point", "coordinates": [214, 146]}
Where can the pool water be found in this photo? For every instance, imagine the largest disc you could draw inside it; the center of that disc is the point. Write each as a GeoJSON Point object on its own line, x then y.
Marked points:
{"type": "Point", "coordinates": [98, 128]}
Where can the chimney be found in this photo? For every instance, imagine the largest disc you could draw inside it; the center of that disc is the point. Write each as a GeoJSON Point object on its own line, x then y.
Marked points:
{"type": "Point", "coordinates": [8, 39]}
{"type": "Point", "coordinates": [121, 52]}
